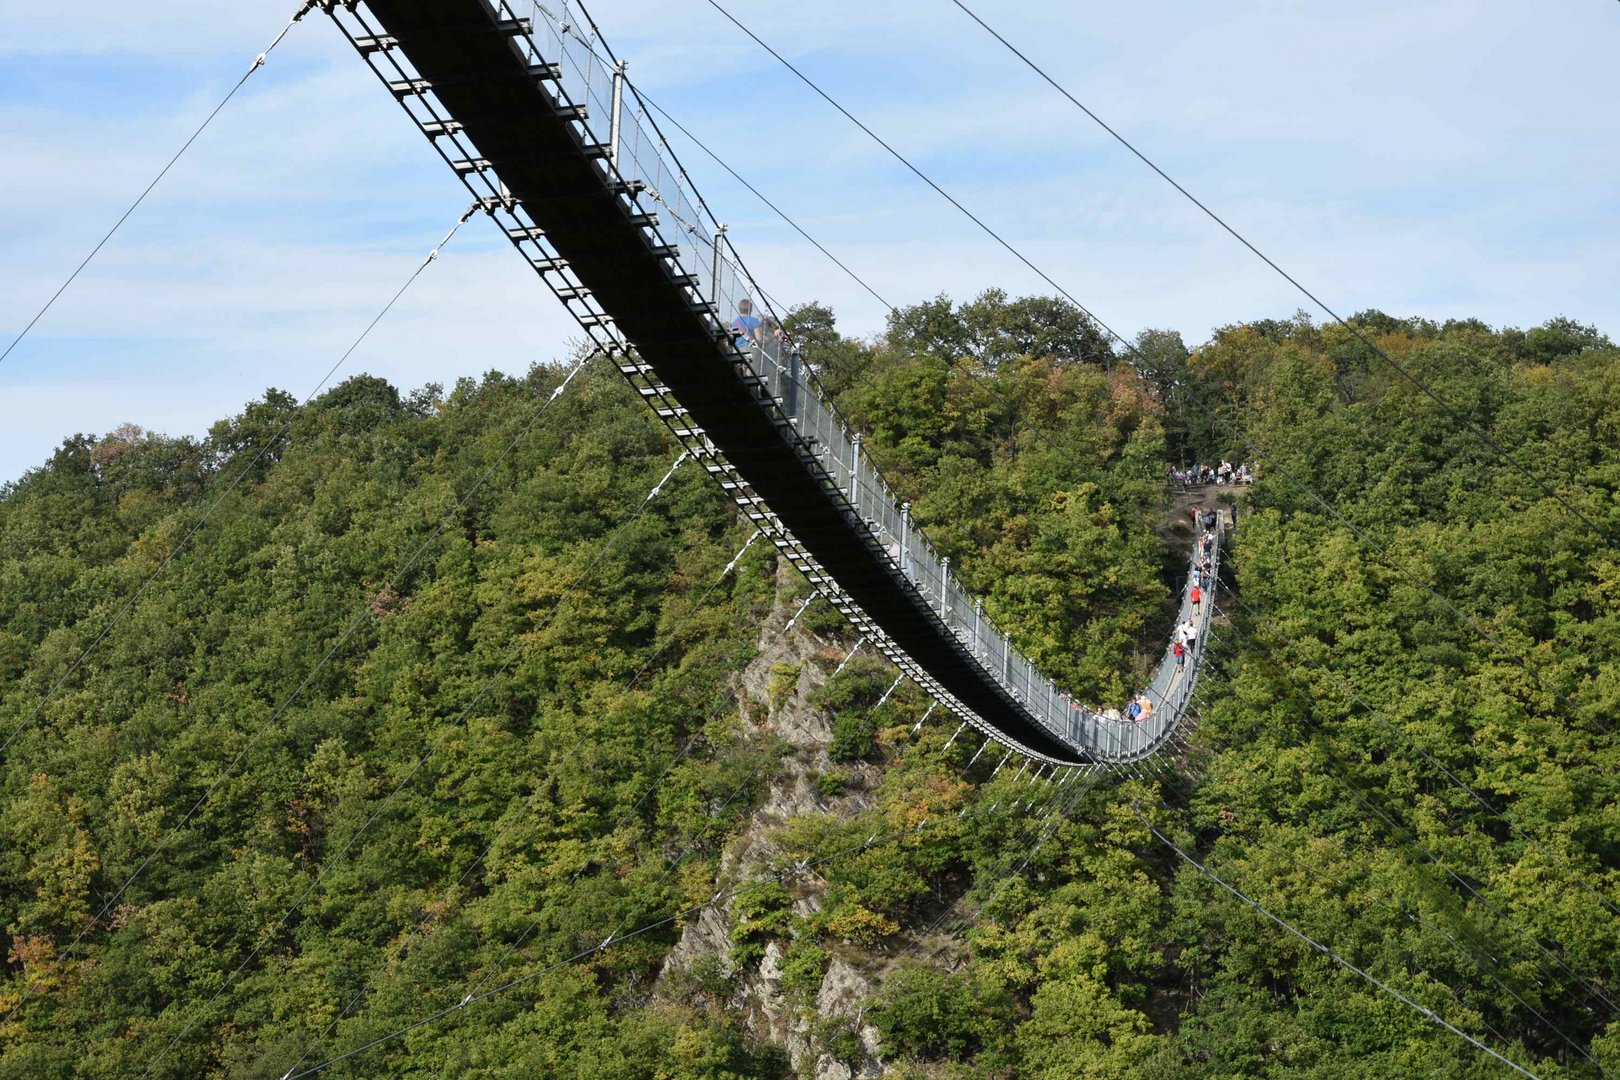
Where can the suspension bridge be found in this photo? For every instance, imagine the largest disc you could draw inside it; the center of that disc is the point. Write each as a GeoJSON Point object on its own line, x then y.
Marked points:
{"type": "Point", "coordinates": [559, 149]}
{"type": "Point", "coordinates": [553, 142]}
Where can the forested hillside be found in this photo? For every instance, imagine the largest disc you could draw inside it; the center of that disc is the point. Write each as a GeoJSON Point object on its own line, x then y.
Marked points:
{"type": "Point", "coordinates": [437, 699]}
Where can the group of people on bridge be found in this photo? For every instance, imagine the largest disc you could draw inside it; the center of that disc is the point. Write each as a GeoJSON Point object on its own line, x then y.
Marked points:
{"type": "Point", "coordinates": [1196, 475]}
{"type": "Point", "coordinates": [1184, 642]}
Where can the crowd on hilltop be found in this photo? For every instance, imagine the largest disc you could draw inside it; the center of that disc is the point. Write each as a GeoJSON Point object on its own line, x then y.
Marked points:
{"type": "Point", "coordinates": [1197, 475]}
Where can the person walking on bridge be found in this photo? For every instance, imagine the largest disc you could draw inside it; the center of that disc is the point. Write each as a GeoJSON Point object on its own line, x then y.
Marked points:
{"type": "Point", "coordinates": [747, 325]}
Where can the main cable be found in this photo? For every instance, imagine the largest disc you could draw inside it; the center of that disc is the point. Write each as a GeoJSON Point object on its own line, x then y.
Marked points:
{"type": "Point", "coordinates": [924, 177]}
{"type": "Point", "coordinates": [1484, 436]}
{"type": "Point", "coordinates": [270, 444]}
{"type": "Point", "coordinates": [258, 62]}
{"type": "Point", "coordinates": [1405, 835]}
{"type": "Point", "coordinates": [1349, 688]}
{"type": "Point", "coordinates": [982, 225]}
{"type": "Point", "coordinates": [1329, 952]}
{"type": "Point", "coordinates": [775, 209]}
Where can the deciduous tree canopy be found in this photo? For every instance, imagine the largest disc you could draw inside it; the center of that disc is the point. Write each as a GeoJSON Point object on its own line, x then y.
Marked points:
{"type": "Point", "coordinates": [522, 741]}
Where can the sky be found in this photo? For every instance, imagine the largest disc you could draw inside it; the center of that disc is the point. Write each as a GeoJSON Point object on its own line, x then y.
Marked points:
{"type": "Point", "coordinates": [1442, 158]}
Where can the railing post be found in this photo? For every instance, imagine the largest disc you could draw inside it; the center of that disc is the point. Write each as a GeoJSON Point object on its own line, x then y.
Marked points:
{"type": "Point", "coordinates": [855, 478]}
{"type": "Point", "coordinates": [945, 587]}
{"type": "Point", "coordinates": [905, 539]}
{"type": "Point", "coordinates": [614, 125]}
{"type": "Point", "coordinates": [714, 282]}
{"type": "Point", "coordinates": [792, 394]}
{"type": "Point", "coordinates": [978, 616]}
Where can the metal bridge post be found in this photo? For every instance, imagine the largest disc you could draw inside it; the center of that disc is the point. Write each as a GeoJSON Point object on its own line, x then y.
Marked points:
{"type": "Point", "coordinates": [714, 282]}
{"type": "Point", "coordinates": [905, 539]}
{"type": "Point", "coordinates": [615, 124]}
{"type": "Point", "coordinates": [978, 639]}
{"type": "Point", "coordinates": [855, 478]}
{"type": "Point", "coordinates": [945, 588]}
{"type": "Point", "coordinates": [792, 395]}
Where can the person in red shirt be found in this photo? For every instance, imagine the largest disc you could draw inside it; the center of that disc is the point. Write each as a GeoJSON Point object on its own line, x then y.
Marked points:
{"type": "Point", "coordinates": [1197, 597]}
{"type": "Point", "coordinates": [1179, 651]}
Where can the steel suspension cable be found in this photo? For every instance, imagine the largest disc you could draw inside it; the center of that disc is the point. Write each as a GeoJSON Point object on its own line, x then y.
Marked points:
{"type": "Point", "coordinates": [1491, 966]}
{"type": "Point", "coordinates": [1129, 346]}
{"type": "Point", "coordinates": [512, 658]}
{"type": "Point", "coordinates": [1330, 953]}
{"type": "Point", "coordinates": [775, 209]}
{"type": "Point", "coordinates": [258, 62]}
{"type": "Point", "coordinates": [1481, 942]}
{"type": "Point", "coordinates": [1406, 836]}
{"type": "Point", "coordinates": [1484, 436]}
{"type": "Point", "coordinates": [1349, 688]}
{"type": "Point", "coordinates": [230, 488]}
{"type": "Point", "coordinates": [1389, 560]}
{"type": "Point", "coordinates": [903, 160]}
{"type": "Point", "coordinates": [1480, 955]}
{"type": "Point", "coordinates": [360, 618]}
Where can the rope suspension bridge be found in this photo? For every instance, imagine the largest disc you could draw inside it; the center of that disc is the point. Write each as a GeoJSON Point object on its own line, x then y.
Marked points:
{"type": "Point", "coordinates": [555, 144]}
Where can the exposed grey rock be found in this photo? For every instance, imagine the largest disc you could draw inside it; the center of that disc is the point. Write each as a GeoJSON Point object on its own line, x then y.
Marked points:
{"type": "Point", "coordinates": [759, 999]}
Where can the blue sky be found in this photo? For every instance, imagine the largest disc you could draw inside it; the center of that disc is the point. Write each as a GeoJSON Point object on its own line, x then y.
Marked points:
{"type": "Point", "coordinates": [1434, 157]}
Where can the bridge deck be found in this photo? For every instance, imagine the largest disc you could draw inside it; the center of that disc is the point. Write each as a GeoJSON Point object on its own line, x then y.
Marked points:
{"type": "Point", "coordinates": [482, 69]}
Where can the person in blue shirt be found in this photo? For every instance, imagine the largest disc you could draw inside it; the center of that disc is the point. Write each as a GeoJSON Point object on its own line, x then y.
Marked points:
{"type": "Point", "coordinates": [747, 326]}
